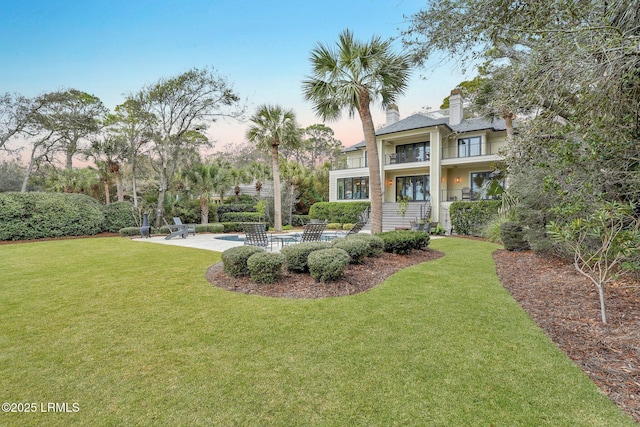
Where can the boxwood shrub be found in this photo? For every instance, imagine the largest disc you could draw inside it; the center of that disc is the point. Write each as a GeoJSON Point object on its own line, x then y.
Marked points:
{"type": "Point", "coordinates": [240, 217]}
{"type": "Point", "coordinates": [36, 215]}
{"type": "Point", "coordinates": [265, 267]}
{"type": "Point", "coordinates": [296, 255]}
{"type": "Point", "coordinates": [404, 241]}
{"type": "Point", "coordinates": [119, 215]}
{"type": "Point", "coordinates": [235, 260]}
{"type": "Point", "coordinates": [341, 212]}
{"type": "Point", "coordinates": [375, 243]}
{"type": "Point", "coordinates": [327, 264]}
{"type": "Point", "coordinates": [356, 248]}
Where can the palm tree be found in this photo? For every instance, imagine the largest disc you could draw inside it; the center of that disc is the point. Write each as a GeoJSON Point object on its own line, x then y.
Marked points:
{"type": "Point", "coordinates": [259, 171]}
{"type": "Point", "coordinates": [351, 77]}
{"type": "Point", "coordinates": [203, 179]}
{"type": "Point", "coordinates": [273, 126]}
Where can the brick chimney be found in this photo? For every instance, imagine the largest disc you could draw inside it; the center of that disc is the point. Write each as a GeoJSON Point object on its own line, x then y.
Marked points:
{"type": "Point", "coordinates": [456, 111]}
{"type": "Point", "coordinates": [393, 114]}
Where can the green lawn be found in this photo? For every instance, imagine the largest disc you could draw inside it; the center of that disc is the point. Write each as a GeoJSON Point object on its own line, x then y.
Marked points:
{"type": "Point", "coordinates": [135, 335]}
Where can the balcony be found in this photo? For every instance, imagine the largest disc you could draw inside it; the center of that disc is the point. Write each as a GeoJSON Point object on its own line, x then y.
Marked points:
{"type": "Point", "coordinates": [401, 158]}
{"type": "Point", "coordinates": [349, 164]}
{"type": "Point", "coordinates": [472, 150]}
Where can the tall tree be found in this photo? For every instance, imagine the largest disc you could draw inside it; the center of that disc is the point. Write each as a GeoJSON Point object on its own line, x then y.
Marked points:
{"type": "Point", "coordinates": [352, 76]}
{"type": "Point", "coordinates": [259, 171]}
{"type": "Point", "coordinates": [183, 107]}
{"type": "Point", "coordinates": [273, 126]}
{"type": "Point", "coordinates": [72, 116]}
{"type": "Point", "coordinates": [318, 145]}
{"type": "Point", "coordinates": [204, 180]}
{"type": "Point", "coordinates": [16, 116]}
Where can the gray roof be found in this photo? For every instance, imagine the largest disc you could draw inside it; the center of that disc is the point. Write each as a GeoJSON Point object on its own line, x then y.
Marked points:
{"type": "Point", "coordinates": [419, 121]}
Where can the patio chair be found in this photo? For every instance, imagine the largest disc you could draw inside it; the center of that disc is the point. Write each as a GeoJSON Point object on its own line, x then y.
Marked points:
{"type": "Point", "coordinates": [466, 193]}
{"type": "Point", "coordinates": [191, 228]}
{"type": "Point", "coordinates": [312, 232]}
{"type": "Point", "coordinates": [255, 234]}
{"type": "Point", "coordinates": [176, 230]}
{"type": "Point", "coordinates": [357, 227]}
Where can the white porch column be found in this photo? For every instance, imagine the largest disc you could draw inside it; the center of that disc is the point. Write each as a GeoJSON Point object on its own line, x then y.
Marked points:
{"type": "Point", "coordinates": [435, 173]}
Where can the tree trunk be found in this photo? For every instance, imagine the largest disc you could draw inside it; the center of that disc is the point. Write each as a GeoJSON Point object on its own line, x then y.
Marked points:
{"type": "Point", "coordinates": [277, 197]}
{"type": "Point", "coordinates": [603, 311]}
{"type": "Point", "coordinates": [508, 122]}
{"type": "Point", "coordinates": [161, 194]}
{"type": "Point", "coordinates": [375, 190]}
{"type": "Point", "coordinates": [107, 196]}
{"type": "Point", "coordinates": [204, 210]}
{"type": "Point", "coordinates": [119, 187]}
{"type": "Point", "coordinates": [69, 160]}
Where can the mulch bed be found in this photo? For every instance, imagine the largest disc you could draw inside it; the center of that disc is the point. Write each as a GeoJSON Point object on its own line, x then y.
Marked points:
{"type": "Point", "coordinates": [562, 302]}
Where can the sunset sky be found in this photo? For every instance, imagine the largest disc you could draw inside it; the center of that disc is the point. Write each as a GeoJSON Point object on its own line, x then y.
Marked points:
{"type": "Point", "coordinates": [111, 48]}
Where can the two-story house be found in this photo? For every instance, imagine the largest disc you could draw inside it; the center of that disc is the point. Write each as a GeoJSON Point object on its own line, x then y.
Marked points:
{"type": "Point", "coordinates": [425, 159]}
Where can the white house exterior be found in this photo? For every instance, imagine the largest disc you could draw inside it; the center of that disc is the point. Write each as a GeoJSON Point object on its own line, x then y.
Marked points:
{"type": "Point", "coordinates": [427, 160]}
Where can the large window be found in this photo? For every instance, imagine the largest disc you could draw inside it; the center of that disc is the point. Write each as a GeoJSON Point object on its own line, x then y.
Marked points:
{"type": "Point", "coordinates": [413, 188]}
{"type": "Point", "coordinates": [353, 188]}
{"type": "Point", "coordinates": [480, 184]}
{"type": "Point", "coordinates": [418, 152]}
{"type": "Point", "coordinates": [468, 147]}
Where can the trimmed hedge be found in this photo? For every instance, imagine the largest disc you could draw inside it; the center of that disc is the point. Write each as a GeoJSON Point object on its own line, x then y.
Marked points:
{"type": "Point", "coordinates": [356, 248]}
{"type": "Point", "coordinates": [341, 212]}
{"type": "Point", "coordinates": [512, 236]}
{"type": "Point", "coordinates": [265, 267]}
{"type": "Point", "coordinates": [210, 228]}
{"type": "Point", "coordinates": [404, 241]}
{"type": "Point", "coordinates": [232, 227]}
{"type": "Point", "coordinates": [469, 218]}
{"type": "Point", "coordinates": [240, 217]}
{"type": "Point", "coordinates": [118, 215]}
{"type": "Point", "coordinates": [327, 264]}
{"type": "Point", "coordinates": [36, 215]}
{"type": "Point", "coordinates": [234, 207]}
{"type": "Point", "coordinates": [235, 260]}
{"type": "Point", "coordinates": [296, 255]}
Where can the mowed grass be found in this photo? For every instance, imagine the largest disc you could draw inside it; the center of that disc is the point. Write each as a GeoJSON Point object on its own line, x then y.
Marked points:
{"type": "Point", "coordinates": [135, 335]}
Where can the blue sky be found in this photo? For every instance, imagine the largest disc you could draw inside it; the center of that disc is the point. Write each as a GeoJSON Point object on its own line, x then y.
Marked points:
{"type": "Point", "coordinates": [110, 48]}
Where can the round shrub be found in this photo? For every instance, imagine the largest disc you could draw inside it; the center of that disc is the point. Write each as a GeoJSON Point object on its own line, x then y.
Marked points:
{"type": "Point", "coordinates": [265, 267]}
{"type": "Point", "coordinates": [129, 231]}
{"type": "Point", "coordinates": [512, 236]}
{"type": "Point", "coordinates": [376, 244]}
{"type": "Point", "coordinates": [296, 255]}
{"type": "Point", "coordinates": [118, 215]}
{"type": "Point", "coordinates": [327, 264]}
{"type": "Point", "coordinates": [241, 217]}
{"type": "Point", "coordinates": [356, 248]}
{"type": "Point", "coordinates": [235, 260]}
{"type": "Point", "coordinates": [35, 215]}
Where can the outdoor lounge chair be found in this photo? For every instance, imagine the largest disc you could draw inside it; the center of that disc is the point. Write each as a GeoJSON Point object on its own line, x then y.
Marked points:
{"type": "Point", "coordinates": [466, 193]}
{"type": "Point", "coordinates": [357, 227]}
{"type": "Point", "coordinates": [176, 230]}
{"type": "Point", "coordinates": [255, 234]}
{"type": "Point", "coordinates": [191, 228]}
{"type": "Point", "coordinates": [312, 232]}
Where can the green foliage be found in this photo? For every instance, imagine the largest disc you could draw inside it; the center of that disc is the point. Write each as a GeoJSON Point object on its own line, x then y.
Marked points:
{"type": "Point", "coordinates": [340, 212]}
{"type": "Point", "coordinates": [235, 260]}
{"type": "Point", "coordinates": [296, 255]}
{"type": "Point", "coordinates": [25, 216]}
{"type": "Point", "coordinates": [235, 207]}
{"type": "Point", "coordinates": [299, 220]}
{"type": "Point", "coordinates": [334, 226]}
{"type": "Point", "coordinates": [232, 227]}
{"type": "Point", "coordinates": [327, 264]}
{"type": "Point", "coordinates": [265, 267]}
{"type": "Point", "coordinates": [356, 248]}
{"type": "Point", "coordinates": [210, 228]}
{"type": "Point", "coordinates": [118, 215]}
{"type": "Point", "coordinates": [512, 236]}
{"type": "Point", "coordinates": [243, 199]}
{"type": "Point", "coordinates": [403, 241]}
{"type": "Point", "coordinates": [375, 243]}
{"type": "Point", "coordinates": [470, 217]}
{"type": "Point", "coordinates": [241, 217]}
{"type": "Point", "coordinates": [347, 226]}
{"type": "Point", "coordinates": [129, 231]}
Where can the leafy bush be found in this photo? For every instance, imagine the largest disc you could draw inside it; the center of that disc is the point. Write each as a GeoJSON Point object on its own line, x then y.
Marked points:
{"type": "Point", "coordinates": [129, 231]}
{"type": "Point", "coordinates": [512, 236]}
{"type": "Point", "coordinates": [347, 226]}
{"type": "Point", "coordinates": [334, 226]}
{"type": "Point", "coordinates": [296, 255]}
{"type": "Point", "coordinates": [470, 217]}
{"type": "Point", "coordinates": [327, 264]}
{"type": "Point", "coordinates": [375, 243]}
{"type": "Point", "coordinates": [232, 227]}
{"type": "Point", "coordinates": [404, 241]}
{"type": "Point", "coordinates": [118, 215]}
{"type": "Point", "coordinates": [210, 228]}
{"type": "Point", "coordinates": [235, 207]}
{"type": "Point", "coordinates": [342, 212]}
{"type": "Point", "coordinates": [25, 216]}
{"type": "Point", "coordinates": [265, 267]}
{"type": "Point", "coordinates": [240, 217]}
{"type": "Point", "coordinates": [235, 260]}
{"type": "Point", "coordinates": [299, 220]}
{"type": "Point", "coordinates": [356, 248]}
